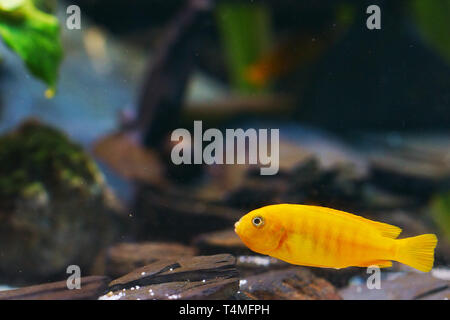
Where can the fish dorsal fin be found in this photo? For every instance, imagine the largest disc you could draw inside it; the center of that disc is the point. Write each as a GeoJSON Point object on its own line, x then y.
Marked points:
{"type": "Point", "coordinates": [385, 229]}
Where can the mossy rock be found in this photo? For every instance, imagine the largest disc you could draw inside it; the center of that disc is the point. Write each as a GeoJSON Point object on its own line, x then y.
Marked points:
{"type": "Point", "coordinates": [55, 208]}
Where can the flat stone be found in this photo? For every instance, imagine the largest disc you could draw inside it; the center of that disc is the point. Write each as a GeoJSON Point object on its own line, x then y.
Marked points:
{"type": "Point", "coordinates": [125, 257]}
{"type": "Point", "coordinates": [91, 288]}
{"type": "Point", "coordinates": [200, 277]}
{"type": "Point", "coordinates": [408, 286]}
{"type": "Point", "coordinates": [211, 289]}
{"type": "Point", "coordinates": [288, 284]}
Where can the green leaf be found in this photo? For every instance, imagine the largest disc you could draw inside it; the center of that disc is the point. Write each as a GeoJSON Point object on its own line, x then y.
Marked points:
{"type": "Point", "coordinates": [440, 209]}
{"type": "Point", "coordinates": [35, 36]}
{"type": "Point", "coordinates": [246, 34]}
{"type": "Point", "coordinates": [433, 20]}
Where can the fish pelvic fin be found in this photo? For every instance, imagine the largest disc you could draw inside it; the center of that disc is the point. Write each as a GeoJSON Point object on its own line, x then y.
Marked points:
{"type": "Point", "coordinates": [417, 252]}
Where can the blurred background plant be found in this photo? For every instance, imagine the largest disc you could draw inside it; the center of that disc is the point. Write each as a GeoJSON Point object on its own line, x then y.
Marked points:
{"type": "Point", "coordinates": [33, 34]}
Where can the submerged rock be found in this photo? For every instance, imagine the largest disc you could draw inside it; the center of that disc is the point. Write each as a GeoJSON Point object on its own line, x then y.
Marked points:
{"type": "Point", "coordinates": [55, 208]}
{"type": "Point", "coordinates": [288, 284]}
{"type": "Point", "coordinates": [125, 257]}
{"type": "Point", "coordinates": [90, 288]}
{"type": "Point", "coordinates": [200, 277]}
{"type": "Point", "coordinates": [402, 286]}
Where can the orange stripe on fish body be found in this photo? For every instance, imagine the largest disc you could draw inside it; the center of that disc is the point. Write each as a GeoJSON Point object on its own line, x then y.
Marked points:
{"type": "Point", "coordinates": [324, 237]}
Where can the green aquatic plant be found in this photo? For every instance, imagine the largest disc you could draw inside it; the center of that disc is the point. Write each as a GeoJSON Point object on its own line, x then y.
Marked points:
{"type": "Point", "coordinates": [433, 21]}
{"type": "Point", "coordinates": [34, 35]}
{"type": "Point", "coordinates": [245, 30]}
{"type": "Point", "coordinates": [440, 210]}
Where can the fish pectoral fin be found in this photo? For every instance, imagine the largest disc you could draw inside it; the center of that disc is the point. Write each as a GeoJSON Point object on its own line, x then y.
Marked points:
{"type": "Point", "coordinates": [379, 263]}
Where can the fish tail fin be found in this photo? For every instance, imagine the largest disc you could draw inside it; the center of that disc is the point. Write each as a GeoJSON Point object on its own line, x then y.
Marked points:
{"type": "Point", "coordinates": [417, 252]}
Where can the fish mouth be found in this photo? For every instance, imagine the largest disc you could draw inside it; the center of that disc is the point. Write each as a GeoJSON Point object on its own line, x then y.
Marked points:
{"type": "Point", "coordinates": [236, 226]}
{"type": "Point", "coordinates": [239, 229]}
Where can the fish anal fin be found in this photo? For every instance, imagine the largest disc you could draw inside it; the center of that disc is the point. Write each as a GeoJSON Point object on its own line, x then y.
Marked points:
{"type": "Point", "coordinates": [379, 263]}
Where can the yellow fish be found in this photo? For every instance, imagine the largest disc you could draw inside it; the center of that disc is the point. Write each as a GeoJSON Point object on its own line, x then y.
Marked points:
{"type": "Point", "coordinates": [323, 237]}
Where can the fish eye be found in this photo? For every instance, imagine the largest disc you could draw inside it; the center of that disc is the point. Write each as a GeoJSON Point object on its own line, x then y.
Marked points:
{"type": "Point", "coordinates": [258, 221]}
